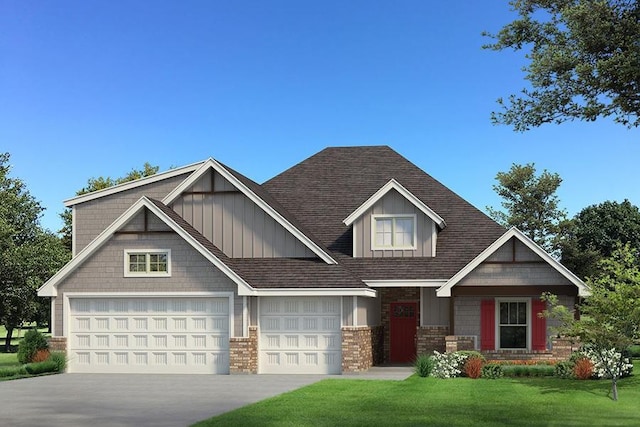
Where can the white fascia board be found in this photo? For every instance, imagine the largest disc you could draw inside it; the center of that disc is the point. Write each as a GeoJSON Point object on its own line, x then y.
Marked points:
{"type": "Point", "coordinates": [395, 185]}
{"type": "Point", "coordinates": [132, 184]}
{"type": "Point", "coordinates": [48, 289]}
{"type": "Point", "coordinates": [410, 283]}
{"type": "Point", "coordinates": [309, 292]}
{"type": "Point", "coordinates": [445, 291]}
{"type": "Point", "coordinates": [211, 163]}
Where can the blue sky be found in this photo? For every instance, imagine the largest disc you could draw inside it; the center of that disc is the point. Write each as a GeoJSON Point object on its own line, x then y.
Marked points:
{"type": "Point", "coordinates": [93, 89]}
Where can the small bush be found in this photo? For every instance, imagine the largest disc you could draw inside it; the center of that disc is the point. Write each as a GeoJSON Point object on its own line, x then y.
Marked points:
{"type": "Point", "coordinates": [472, 354]}
{"type": "Point", "coordinates": [12, 371]}
{"type": "Point", "coordinates": [41, 367]}
{"type": "Point", "coordinates": [60, 359]}
{"type": "Point", "coordinates": [40, 355]}
{"type": "Point", "coordinates": [32, 342]}
{"type": "Point", "coordinates": [528, 370]}
{"type": "Point", "coordinates": [564, 370]}
{"type": "Point", "coordinates": [492, 371]}
{"type": "Point", "coordinates": [473, 367]}
{"type": "Point", "coordinates": [583, 368]}
{"type": "Point", "coordinates": [634, 351]}
{"type": "Point", "coordinates": [447, 365]}
{"type": "Point", "coordinates": [424, 365]}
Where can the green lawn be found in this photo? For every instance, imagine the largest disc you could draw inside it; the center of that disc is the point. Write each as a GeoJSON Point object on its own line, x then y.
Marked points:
{"type": "Point", "coordinates": [8, 359]}
{"type": "Point", "coordinates": [454, 402]}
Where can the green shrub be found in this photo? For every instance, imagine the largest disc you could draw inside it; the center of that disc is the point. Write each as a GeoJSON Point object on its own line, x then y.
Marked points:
{"type": "Point", "coordinates": [528, 370]}
{"type": "Point", "coordinates": [634, 351]}
{"type": "Point", "coordinates": [471, 354]}
{"type": "Point", "coordinates": [492, 371]}
{"type": "Point", "coordinates": [60, 359]}
{"type": "Point", "coordinates": [32, 342]}
{"type": "Point", "coordinates": [564, 370]}
{"type": "Point", "coordinates": [41, 367]}
{"type": "Point", "coordinates": [12, 371]}
{"type": "Point", "coordinates": [424, 365]}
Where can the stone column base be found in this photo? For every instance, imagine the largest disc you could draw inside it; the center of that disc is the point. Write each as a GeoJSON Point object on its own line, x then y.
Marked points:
{"type": "Point", "coordinates": [243, 353]}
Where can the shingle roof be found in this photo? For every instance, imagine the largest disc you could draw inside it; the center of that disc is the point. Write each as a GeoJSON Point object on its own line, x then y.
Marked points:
{"type": "Point", "coordinates": [324, 189]}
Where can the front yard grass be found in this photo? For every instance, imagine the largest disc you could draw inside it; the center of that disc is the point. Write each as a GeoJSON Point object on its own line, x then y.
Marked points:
{"type": "Point", "coordinates": [8, 360]}
{"type": "Point", "coordinates": [452, 402]}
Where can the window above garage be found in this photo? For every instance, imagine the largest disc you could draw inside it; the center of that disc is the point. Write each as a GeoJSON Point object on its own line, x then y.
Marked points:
{"type": "Point", "coordinates": [147, 263]}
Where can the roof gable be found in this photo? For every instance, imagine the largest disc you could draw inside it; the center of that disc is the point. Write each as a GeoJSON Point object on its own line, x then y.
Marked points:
{"type": "Point", "coordinates": [258, 196]}
{"type": "Point", "coordinates": [395, 185]}
{"type": "Point", "coordinates": [48, 289]}
{"type": "Point", "coordinates": [445, 290]}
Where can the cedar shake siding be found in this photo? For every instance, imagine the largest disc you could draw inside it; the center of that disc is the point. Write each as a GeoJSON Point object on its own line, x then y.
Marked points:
{"type": "Point", "coordinates": [393, 203]}
{"type": "Point", "coordinates": [235, 224]}
{"type": "Point", "coordinates": [93, 216]}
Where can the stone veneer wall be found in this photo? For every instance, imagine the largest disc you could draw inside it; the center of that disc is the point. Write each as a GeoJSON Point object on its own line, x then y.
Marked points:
{"type": "Point", "coordinates": [460, 343]}
{"type": "Point", "coordinates": [431, 338]}
{"type": "Point", "coordinates": [387, 296]}
{"type": "Point", "coordinates": [243, 353]}
{"type": "Point", "coordinates": [357, 348]}
{"type": "Point", "coordinates": [58, 344]}
{"type": "Point", "coordinates": [563, 347]}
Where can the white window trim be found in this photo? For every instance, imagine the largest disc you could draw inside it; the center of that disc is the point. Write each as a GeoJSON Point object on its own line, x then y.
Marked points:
{"type": "Point", "coordinates": [147, 252]}
{"type": "Point", "coordinates": [375, 247]}
{"type": "Point", "coordinates": [497, 322]}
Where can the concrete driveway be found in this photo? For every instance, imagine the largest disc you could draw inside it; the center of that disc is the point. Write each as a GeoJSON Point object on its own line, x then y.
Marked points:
{"type": "Point", "coordinates": [98, 400]}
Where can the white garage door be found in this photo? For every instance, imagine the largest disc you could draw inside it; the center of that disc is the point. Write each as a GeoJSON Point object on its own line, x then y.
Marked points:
{"type": "Point", "coordinates": [149, 335]}
{"type": "Point", "coordinates": [300, 335]}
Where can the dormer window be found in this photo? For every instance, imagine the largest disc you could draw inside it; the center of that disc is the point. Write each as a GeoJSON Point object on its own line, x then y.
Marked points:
{"type": "Point", "coordinates": [393, 232]}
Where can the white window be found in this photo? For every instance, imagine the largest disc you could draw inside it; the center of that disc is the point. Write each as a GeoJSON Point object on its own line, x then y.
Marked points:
{"type": "Point", "coordinates": [148, 263]}
{"type": "Point", "coordinates": [513, 324]}
{"type": "Point", "coordinates": [393, 231]}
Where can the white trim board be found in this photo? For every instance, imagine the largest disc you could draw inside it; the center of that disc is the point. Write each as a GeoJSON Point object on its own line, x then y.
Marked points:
{"type": "Point", "coordinates": [212, 164]}
{"type": "Point", "coordinates": [409, 283]}
{"type": "Point", "coordinates": [445, 290]}
{"type": "Point", "coordinates": [310, 292]}
{"type": "Point", "coordinates": [394, 185]}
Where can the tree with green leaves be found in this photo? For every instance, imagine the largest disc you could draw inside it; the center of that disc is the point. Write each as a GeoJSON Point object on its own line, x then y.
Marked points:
{"type": "Point", "coordinates": [583, 62]}
{"type": "Point", "coordinates": [101, 183]}
{"type": "Point", "coordinates": [595, 232]}
{"type": "Point", "coordinates": [29, 255]}
{"type": "Point", "coordinates": [610, 315]}
{"type": "Point", "coordinates": [530, 203]}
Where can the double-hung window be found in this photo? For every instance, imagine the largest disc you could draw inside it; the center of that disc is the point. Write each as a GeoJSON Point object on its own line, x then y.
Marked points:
{"type": "Point", "coordinates": [393, 232]}
{"type": "Point", "coordinates": [513, 324]}
{"type": "Point", "coordinates": [148, 263]}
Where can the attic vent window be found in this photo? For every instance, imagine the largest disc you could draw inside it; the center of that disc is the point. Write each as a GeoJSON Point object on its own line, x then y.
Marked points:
{"type": "Point", "coordinates": [147, 263]}
{"type": "Point", "coordinates": [393, 232]}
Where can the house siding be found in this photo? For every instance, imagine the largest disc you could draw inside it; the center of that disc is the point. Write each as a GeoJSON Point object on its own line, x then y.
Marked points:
{"type": "Point", "coordinates": [514, 274]}
{"type": "Point", "coordinates": [368, 311]}
{"type": "Point", "coordinates": [92, 217]}
{"type": "Point", "coordinates": [190, 272]}
{"type": "Point", "coordinates": [435, 311]}
{"type": "Point", "coordinates": [235, 224]}
{"type": "Point", "coordinates": [393, 203]}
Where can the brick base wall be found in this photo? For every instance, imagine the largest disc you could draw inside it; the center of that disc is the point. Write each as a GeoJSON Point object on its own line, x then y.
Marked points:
{"type": "Point", "coordinates": [430, 338]}
{"type": "Point", "coordinates": [58, 344]}
{"type": "Point", "coordinates": [519, 355]}
{"type": "Point", "coordinates": [243, 353]}
{"type": "Point", "coordinates": [357, 348]}
{"type": "Point", "coordinates": [563, 347]}
{"type": "Point", "coordinates": [460, 343]}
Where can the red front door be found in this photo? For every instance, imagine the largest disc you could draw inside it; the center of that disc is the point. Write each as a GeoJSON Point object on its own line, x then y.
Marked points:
{"type": "Point", "coordinates": [403, 332]}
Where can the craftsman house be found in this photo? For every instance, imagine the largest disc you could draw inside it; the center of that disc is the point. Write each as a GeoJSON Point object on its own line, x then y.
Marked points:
{"type": "Point", "coordinates": [350, 258]}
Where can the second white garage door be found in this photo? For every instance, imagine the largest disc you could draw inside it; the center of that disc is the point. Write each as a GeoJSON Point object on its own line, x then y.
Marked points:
{"type": "Point", "coordinates": [149, 335]}
{"type": "Point", "coordinates": [300, 335]}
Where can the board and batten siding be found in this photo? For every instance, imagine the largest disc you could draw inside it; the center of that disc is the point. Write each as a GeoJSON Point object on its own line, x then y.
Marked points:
{"type": "Point", "coordinates": [190, 272]}
{"type": "Point", "coordinates": [368, 311]}
{"type": "Point", "coordinates": [235, 224]}
{"type": "Point", "coordinates": [395, 204]}
{"type": "Point", "coordinates": [92, 217]}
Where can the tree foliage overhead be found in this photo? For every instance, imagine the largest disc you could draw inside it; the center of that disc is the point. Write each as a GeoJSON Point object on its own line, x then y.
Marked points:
{"type": "Point", "coordinates": [530, 203]}
{"type": "Point", "coordinates": [583, 62]}
{"type": "Point", "coordinates": [596, 231]}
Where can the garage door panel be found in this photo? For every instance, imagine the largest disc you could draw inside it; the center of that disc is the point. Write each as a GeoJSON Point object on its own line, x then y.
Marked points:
{"type": "Point", "coordinates": [300, 335]}
{"type": "Point", "coordinates": [154, 335]}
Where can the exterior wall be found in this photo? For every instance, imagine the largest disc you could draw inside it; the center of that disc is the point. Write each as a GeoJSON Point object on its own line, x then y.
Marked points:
{"type": "Point", "coordinates": [92, 217]}
{"type": "Point", "coordinates": [234, 223]}
{"type": "Point", "coordinates": [488, 274]}
{"type": "Point", "coordinates": [431, 338]}
{"type": "Point", "coordinates": [387, 296]}
{"type": "Point", "coordinates": [190, 272]}
{"type": "Point", "coordinates": [347, 311]}
{"type": "Point", "coordinates": [393, 203]}
{"type": "Point", "coordinates": [460, 343]}
{"type": "Point", "coordinates": [368, 311]}
{"type": "Point", "coordinates": [243, 353]}
{"type": "Point", "coordinates": [435, 310]}
{"type": "Point", "coordinates": [58, 344]}
{"type": "Point", "coordinates": [357, 348]}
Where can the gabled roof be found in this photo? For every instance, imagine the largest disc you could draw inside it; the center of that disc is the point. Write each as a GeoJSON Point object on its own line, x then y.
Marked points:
{"type": "Point", "coordinates": [132, 184]}
{"type": "Point", "coordinates": [329, 186]}
{"type": "Point", "coordinates": [257, 195]}
{"type": "Point", "coordinates": [445, 291]}
{"type": "Point", "coordinates": [394, 185]}
{"type": "Point", "coordinates": [202, 245]}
